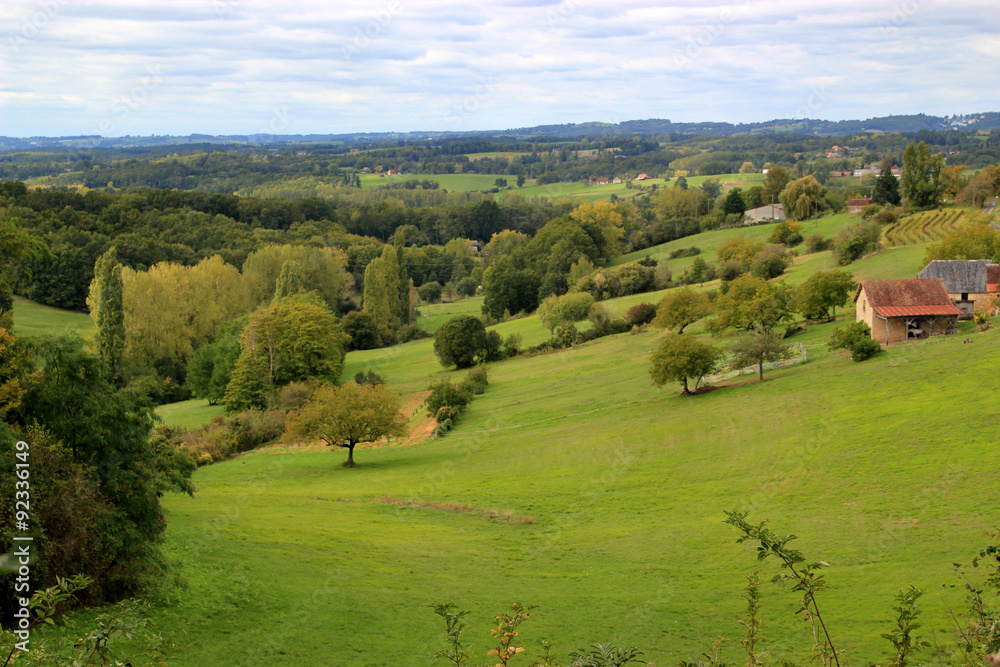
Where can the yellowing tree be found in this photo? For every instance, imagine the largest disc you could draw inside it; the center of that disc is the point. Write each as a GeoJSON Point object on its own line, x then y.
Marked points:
{"type": "Point", "coordinates": [323, 270]}
{"type": "Point", "coordinates": [606, 216]}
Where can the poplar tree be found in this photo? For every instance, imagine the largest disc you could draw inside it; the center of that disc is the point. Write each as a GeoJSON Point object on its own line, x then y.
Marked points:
{"type": "Point", "coordinates": [107, 294]}
{"type": "Point", "coordinates": [289, 280]}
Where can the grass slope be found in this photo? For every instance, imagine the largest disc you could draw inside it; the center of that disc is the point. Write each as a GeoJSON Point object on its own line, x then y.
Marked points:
{"type": "Point", "coordinates": [189, 414]}
{"type": "Point", "coordinates": [34, 319]}
{"type": "Point", "coordinates": [290, 559]}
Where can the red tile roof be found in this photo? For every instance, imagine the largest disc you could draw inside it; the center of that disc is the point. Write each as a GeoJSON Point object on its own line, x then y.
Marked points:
{"type": "Point", "coordinates": [906, 298]}
{"type": "Point", "coordinates": [992, 277]}
{"type": "Point", "coordinates": [859, 202]}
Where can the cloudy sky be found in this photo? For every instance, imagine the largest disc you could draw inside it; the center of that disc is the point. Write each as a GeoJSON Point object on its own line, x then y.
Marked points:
{"type": "Point", "coordinates": [116, 67]}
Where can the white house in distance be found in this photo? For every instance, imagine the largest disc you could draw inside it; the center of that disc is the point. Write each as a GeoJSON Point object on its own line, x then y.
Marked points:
{"type": "Point", "coordinates": [766, 213]}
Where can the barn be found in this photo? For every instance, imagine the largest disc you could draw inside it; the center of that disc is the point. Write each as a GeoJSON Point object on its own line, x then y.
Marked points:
{"type": "Point", "coordinates": [971, 284]}
{"type": "Point", "coordinates": [902, 310]}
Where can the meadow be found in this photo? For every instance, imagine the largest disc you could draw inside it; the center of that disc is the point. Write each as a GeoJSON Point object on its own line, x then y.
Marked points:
{"type": "Point", "coordinates": [574, 484]}
{"type": "Point", "coordinates": [33, 319]}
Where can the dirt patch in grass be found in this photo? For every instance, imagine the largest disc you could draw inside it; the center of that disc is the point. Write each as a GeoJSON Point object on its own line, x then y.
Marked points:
{"type": "Point", "coordinates": [488, 514]}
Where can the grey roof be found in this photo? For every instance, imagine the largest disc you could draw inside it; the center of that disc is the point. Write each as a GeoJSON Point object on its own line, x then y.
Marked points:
{"type": "Point", "coordinates": [959, 275]}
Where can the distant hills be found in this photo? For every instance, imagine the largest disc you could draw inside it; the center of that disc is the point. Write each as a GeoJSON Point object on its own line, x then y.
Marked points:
{"type": "Point", "coordinates": [653, 126]}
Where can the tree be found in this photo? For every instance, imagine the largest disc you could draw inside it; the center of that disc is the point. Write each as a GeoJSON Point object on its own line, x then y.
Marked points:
{"type": "Point", "coordinates": [733, 204]}
{"type": "Point", "coordinates": [680, 358]}
{"type": "Point", "coordinates": [286, 342]}
{"type": "Point", "coordinates": [381, 298]}
{"type": "Point", "coordinates": [823, 292]}
{"type": "Point", "coordinates": [679, 308]}
{"type": "Point", "coordinates": [323, 270]}
{"type": "Point", "coordinates": [751, 303]}
{"type": "Point", "coordinates": [461, 341]}
{"type": "Point", "coordinates": [521, 180]}
{"type": "Point", "coordinates": [747, 168]}
{"type": "Point", "coordinates": [17, 249]}
{"type": "Point", "coordinates": [289, 280]}
{"type": "Point", "coordinates": [430, 292]}
{"type": "Point", "coordinates": [500, 183]}
{"type": "Point", "coordinates": [755, 347]}
{"type": "Point", "coordinates": [362, 329]}
{"type": "Point", "coordinates": [211, 366]}
{"type": "Point", "coordinates": [976, 239]}
{"type": "Point", "coordinates": [711, 188]}
{"type": "Point", "coordinates": [509, 288]}
{"type": "Point", "coordinates": [348, 415]}
{"type": "Point", "coordinates": [886, 191]}
{"type": "Point", "coordinates": [467, 286]}
{"type": "Point", "coordinates": [568, 308]}
{"type": "Point", "coordinates": [110, 315]}
{"type": "Point", "coordinates": [802, 197]}
{"type": "Point", "coordinates": [921, 177]}
{"type": "Point", "coordinates": [774, 182]}
{"type": "Point", "coordinates": [856, 241]}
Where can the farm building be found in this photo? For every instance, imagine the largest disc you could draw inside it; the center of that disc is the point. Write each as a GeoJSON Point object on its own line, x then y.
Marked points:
{"type": "Point", "coordinates": [901, 310]}
{"type": "Point", "coordinates": [857, 205]}
{"type": "Point", "coordinates": [762, 213]}
{"type": "Point", "coordinates": [968, 282]}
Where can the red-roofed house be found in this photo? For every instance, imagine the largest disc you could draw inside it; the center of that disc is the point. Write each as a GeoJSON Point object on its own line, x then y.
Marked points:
{"type": "Point", "coordinates": [642, 177]}
{"type": "Point", "coordinates": [857, 205]}
{"type": "Point", "coordinates": [901, 310]}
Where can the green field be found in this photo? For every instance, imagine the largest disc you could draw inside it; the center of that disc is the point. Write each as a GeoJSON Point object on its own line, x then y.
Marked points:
{"type": "Point", "coordinates": [888, 264]}
{"type": "Point", "coordinates": [289, 559]}
{"type": "Point", "coordinates": [189, 414]}
{"type": "Point", "coordinates": [33, 319]}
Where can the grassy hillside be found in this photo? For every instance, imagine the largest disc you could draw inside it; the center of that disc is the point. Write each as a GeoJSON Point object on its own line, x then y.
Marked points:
{"type": "Point", "coordinates": [33, 319]}
{"type": "Point", "coordinates": [890, 263]}
{"type": "Point", "coordinates": [189, 414]}
{"type": "Point", "coordinates": [616, 491]}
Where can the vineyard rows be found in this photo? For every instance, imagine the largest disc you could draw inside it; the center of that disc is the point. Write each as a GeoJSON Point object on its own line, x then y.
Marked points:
{"type": "Point", "coordinates": [923, 227]}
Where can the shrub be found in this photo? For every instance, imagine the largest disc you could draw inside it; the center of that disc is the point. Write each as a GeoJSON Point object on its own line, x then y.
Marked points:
{"type": "Point", "coordinates": [511, 346]}
{"type": "Point", "coordinates": [368, 377]}
{"type": "Point", "coordinates": [856, 338]}
{"type": "Point", "coordinates": [730, 270]}
{"type": "Point", "coordinates": [769, 264]}
{"type": "Point", "coordinates": [647, 261]}
{"type": "Point", "coordinates": [816, 243]}
{"type": "Point", "coordinates": [476, 381]}
{"type": "Point", "coordinates": [572, 307]}
{"type": "Point", "coordinates": [685, 252]}
{"type": "Point", "coordinates": [251, 428]}
{"type": "Point", "coordinates": [641, 313]}
{"type": "Point", "coordinates": [467, 286]}
{"type": "Point", "coordinates": [447, 413]}
{"type": "Point", "coordinates": [856, 241]}
{"type": "Point", "coordinates": [445, 393]}
{"type": "Point", "coordinates": [295, 394]}
{"type": "Point", "coordinates": [409, 332]}
{"type": "Point", "coordinates": [565, 335]}
{"type": "Point", "coordinates": [429, 292]}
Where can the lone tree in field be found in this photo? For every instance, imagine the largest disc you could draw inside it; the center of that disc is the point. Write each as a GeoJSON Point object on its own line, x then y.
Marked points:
{"type": "Point", "coordinates": [461, 341]}
{"type": "Point", "coordinates": [756, 347]}
{"type": "Point", "coordinates": [680, 308]}
{"type": "Point", "coordinates": [348, 415]}
{"type": "Point", "coordinates": [681, 358]}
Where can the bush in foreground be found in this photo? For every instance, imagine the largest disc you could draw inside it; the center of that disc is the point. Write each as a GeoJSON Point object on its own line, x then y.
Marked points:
{"type": "Point", "coordinates": [857, 339]}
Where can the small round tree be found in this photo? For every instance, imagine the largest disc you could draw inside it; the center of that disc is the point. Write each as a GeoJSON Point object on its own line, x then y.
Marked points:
{"type": "Point", "coordinates": [348, 415]}
{"type": "Point", "coordinates": [681, 358]}
{"type": "Point", "coordinates": [461, 341]}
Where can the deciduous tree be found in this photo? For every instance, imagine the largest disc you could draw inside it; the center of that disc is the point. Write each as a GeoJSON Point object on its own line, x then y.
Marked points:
{"type": "Point", "coordinates": [107, 290]}
{"type": "Point", "coordinates": [679, 308]}
{"type": "Point", "coordinates": [921, 177]}
{"type": "Point", "coordinates": [680, 358]}
{"type": "Point", "coordinates": [348, 415]}
{"type": "Point", "coordinates": [461, 341]}
{"type": "Point", "coordinates": [751, 303]}
{"type": "Point", "coordinates": [802, 198]}
{"type": "Point", "coordinates": [755, 347]}
{"type": "Point", "coordinates": [820, 295]}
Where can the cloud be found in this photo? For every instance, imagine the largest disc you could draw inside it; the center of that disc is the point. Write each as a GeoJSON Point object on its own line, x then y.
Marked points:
{"type": "Point", "coordinates": [231, 66]}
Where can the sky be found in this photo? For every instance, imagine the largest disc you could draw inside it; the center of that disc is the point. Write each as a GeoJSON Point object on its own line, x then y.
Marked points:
{"type": "Point", "coordinates": [132, 67]}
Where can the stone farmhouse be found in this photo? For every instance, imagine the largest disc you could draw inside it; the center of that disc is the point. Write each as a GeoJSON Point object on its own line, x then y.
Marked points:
{"type": "Point", "coordinates": [971, 284]}
{"type": "Point", "coordinates": [902, 310]}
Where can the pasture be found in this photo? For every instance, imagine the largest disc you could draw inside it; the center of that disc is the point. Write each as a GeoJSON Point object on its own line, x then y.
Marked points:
{"type": "Point", "coordinates": [34, 319]}
{"type": "Point", "coordinates": [574, 484]}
